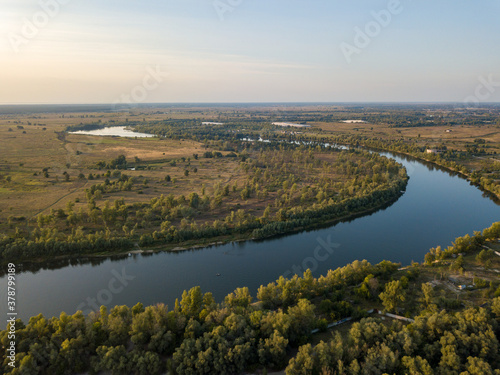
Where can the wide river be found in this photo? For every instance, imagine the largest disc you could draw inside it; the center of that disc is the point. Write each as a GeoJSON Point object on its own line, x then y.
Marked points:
{"type": "Point", "coordinates": [436, 208]}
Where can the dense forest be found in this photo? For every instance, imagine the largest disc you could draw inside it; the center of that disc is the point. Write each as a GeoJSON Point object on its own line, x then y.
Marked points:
{"type": "Point", "coordinates": [200, 336]}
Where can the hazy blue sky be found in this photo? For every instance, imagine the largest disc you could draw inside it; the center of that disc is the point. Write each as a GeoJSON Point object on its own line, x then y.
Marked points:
{"type": "Point", "coordinates": [96, 51]}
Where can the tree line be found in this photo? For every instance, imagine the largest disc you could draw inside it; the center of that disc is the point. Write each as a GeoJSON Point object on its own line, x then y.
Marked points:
{"type": "Point", "coordinates": [201, 336]}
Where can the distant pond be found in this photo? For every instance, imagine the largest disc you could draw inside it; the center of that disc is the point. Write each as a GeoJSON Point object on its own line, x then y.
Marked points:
{"type": "Point", "coordinates": [114, 131]}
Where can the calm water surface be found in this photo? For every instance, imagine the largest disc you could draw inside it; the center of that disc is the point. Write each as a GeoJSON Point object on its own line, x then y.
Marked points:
{"type": "Point", "coordinates": [114, 131]}
{"type": "Point", "coordinates": [436, 208]}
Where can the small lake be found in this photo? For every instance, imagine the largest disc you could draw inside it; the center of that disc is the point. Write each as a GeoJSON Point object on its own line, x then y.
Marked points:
{"type": "Point", "coordinates": [437, 207]}
{"type": "Point", "coordinates": [114, 131]}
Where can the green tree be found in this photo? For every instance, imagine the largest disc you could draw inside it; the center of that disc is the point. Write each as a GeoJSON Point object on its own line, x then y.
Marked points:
{"type": "Point", "coordinates": [429, 258]}
{"type": "Point", "coordinates": [427, 294]}
{"type": "Point", "coordinates": [478, 366]}
{"type": "Point", "coordinates": [303, 320]}
{"type": "Point", "coordinates": [194, 200]}
{"type": "Point", "coordinates": [192, 301]}
{"type": "Point", "coordinates": [272, 350]}
{"type": "Point", "coordinates": [303, 363]}
{"type": "Point", "coordinates": [240, 297]}
{"type": "Point", "coordinates": [482, 256]}
{"type": "Point", "coordinates": [416, 366]}
{"type": "Point", "coordinates": [112, 359]}
{"type": "Point", "coordinates": [392, 294]}
{"type": "Point", "coordinates": [457, 264]}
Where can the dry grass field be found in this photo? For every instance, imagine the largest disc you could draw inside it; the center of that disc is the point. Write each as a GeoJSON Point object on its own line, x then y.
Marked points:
{"type": "Point", "coordinates": [456, 136]}
{"type": "Point", "coordinates": [32, 143]}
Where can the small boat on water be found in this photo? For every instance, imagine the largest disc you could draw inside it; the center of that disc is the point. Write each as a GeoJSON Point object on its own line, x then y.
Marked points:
{"type": "Point", "coordinates": [217, 274]}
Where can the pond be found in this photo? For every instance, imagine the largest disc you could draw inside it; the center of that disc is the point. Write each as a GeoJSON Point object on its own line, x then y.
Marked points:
{"type": "Point", "coordinates": [114, 131]}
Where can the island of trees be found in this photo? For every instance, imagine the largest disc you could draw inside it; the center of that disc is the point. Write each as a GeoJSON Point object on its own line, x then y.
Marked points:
{"type": "Point", "coordinates": [271, 189]}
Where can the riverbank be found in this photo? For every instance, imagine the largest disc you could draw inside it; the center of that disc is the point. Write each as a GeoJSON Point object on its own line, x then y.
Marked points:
{"type": "Point", "coordinates": [460, 170]}
{"type": "Point", "coordinates": [302, 313]}
{"type": "Point", "coordinates": [214, 241]}
{"type": "Point", "coordinates": [466, 176]}
{"type": "Point", "coordinates": [187, 246]}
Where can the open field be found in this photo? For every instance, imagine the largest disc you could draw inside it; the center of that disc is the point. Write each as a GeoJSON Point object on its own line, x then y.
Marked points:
{"type": "Point", "coordinates": [31, 149]}
{"type": "Point", "coordinates": [456, 136]}
{"type": "Point", "coordinates": [25, 156]}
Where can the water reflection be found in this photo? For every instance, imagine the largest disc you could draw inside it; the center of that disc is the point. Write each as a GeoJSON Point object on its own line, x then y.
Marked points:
{"type": "Point", "coordinates": [115, 131]}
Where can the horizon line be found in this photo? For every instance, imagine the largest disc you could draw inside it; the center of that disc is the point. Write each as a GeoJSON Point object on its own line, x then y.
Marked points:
{"type": "Point", "coordinates": [132, 105]}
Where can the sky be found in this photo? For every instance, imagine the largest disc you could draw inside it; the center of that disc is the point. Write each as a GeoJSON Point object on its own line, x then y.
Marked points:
{"type": "Point", "coordinates": [136, 51]}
